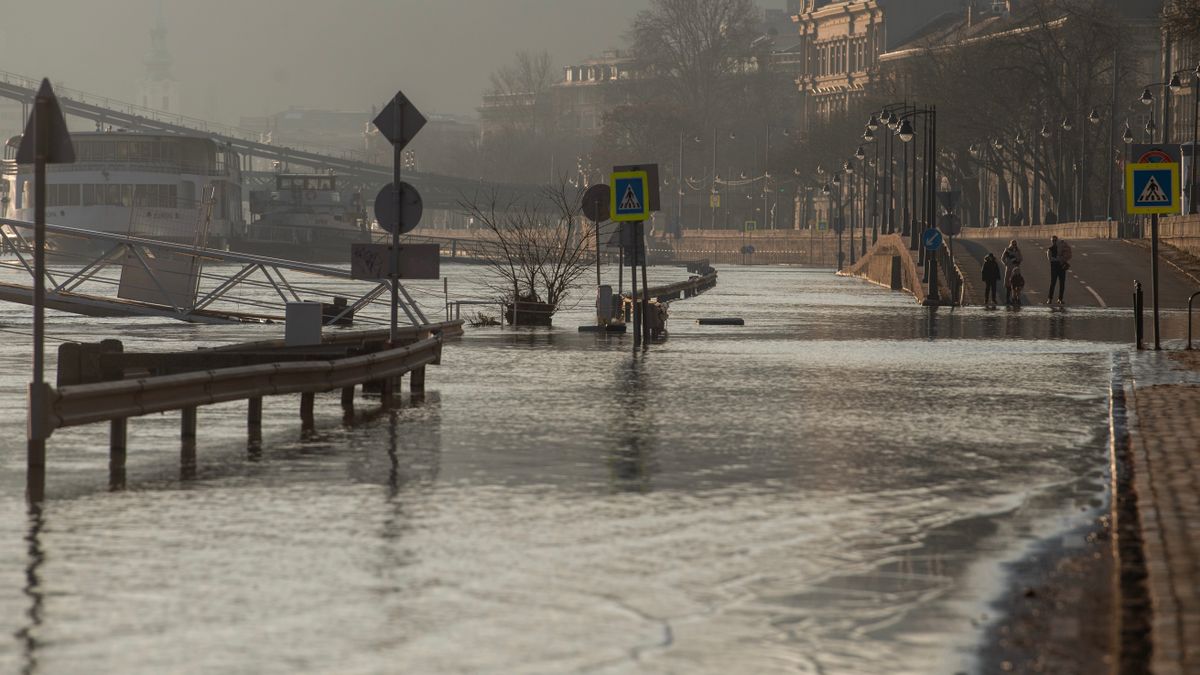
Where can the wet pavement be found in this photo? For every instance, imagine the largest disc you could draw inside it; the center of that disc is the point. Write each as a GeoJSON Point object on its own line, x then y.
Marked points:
{"type": "Point", "coordinates": [835, 487]}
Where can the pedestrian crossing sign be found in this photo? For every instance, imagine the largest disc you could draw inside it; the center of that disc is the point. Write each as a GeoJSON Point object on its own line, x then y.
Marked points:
{"type": "Point", "coordinates": [629, 196]}
{"type": "Point", "coordinates": [1152, 188]}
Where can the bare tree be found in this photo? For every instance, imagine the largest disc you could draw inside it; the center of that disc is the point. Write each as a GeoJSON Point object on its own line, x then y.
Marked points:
{"type": "Point", "coordinates": [530, 73]}
{"type": "Point", "coordinates": [1053, 62]}
{"type": "Point", "coordinates": [693, 47]}
{"type": "Point", "coordinates": [1182, 19]}
{"type": "Point", "coordinates": [538, 249]}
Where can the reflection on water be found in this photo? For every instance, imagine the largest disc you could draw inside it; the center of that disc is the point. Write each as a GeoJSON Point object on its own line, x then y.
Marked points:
{"type": "Point", "coordinates": [27, 633]}
{"type": "Point", "coordinates": [829, 488]}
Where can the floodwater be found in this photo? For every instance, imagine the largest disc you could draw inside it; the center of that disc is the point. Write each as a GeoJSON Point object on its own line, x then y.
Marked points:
{"type": "Point", "coordinates": [833, 488]}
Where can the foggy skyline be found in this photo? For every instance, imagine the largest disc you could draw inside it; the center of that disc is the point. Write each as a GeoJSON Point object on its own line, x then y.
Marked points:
{"type": "Point", "coordinates": [234, 59]}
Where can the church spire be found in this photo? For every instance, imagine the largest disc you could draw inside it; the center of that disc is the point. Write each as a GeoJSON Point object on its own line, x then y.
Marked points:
{"type": "Point", "coordinates": [158, 59]}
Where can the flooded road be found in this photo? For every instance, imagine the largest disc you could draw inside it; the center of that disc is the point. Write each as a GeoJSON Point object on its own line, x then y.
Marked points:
{"type": "Point", "coordinates": [832, 488]}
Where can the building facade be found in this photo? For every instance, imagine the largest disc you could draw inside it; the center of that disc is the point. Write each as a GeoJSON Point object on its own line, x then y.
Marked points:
{"type": "Point", "coordinates": [837, 58]}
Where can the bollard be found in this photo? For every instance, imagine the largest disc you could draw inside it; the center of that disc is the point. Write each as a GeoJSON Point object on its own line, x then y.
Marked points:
{"type": "Point", "coordinates": [1138, 330]}
{"type": "Point", "coordinates": [1191, 298]}
{"type": "Point", "coordinates": [187, 445]}
{"type": "Point", "coordinates": [306, 409]}
{"type": "Point", "coordinates": [254, 419]}
{"type": "Point", "coordinates": [118, 437]}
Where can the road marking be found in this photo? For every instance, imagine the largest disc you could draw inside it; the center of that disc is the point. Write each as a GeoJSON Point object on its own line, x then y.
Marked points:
{"type": "Point", "coordinates": [1103, 305]}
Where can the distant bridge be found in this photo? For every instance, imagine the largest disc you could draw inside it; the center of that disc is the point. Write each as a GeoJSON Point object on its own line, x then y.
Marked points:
{"type": "Point", "coordinates": [437, 191]}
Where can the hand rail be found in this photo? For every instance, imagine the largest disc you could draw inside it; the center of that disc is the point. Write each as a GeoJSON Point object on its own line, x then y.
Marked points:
{"type": "Point", "coordinates": [88, 403]}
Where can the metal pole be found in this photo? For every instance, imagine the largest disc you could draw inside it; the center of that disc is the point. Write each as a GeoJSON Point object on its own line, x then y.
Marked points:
{"type": "Point", "coordinates": [597, 225]}
{"type": "Point", "coordinates": [35, 476]}
{"type": "Point", "coordinates": [711, 202]}
{"type": "Point", "coordinates": [641, 249]}
{"type": "Point", "coordinates": [1112, 137]}
{"type": "Point", "coordinates": [1154, 276]}
{"type": "Point", "coordinates": [394, 272]}
{"type": "Point", "coordinates": [875, 194]}
{"type": "Point", "coordinates": [633, 294]}
{"type": "Point", "coordinates": [1192, 202]}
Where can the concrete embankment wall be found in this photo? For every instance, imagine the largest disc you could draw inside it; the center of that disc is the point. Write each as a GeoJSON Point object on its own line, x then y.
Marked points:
{"type": "Point", "coordinates": [1085, 230]}
{"type": "Point", "coordinates": [1182, 232]}
{"type": "Point", "coordinates": [771, 247]}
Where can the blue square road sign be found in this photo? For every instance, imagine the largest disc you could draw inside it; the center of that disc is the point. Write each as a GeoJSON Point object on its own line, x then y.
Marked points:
{"type": "Point", "coordinates": [629, 196]}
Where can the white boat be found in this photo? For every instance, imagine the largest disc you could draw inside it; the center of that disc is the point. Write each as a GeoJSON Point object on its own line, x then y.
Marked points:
{"type": "Point", "coordinates": [166, 187]}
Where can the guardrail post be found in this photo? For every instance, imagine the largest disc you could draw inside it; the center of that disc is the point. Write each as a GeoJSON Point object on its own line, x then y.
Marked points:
{"type": "Point", "coordinates": [118, 438]}
{"type": "Point", "coordinates": [187, 443]}
{"type": "Point", "coordinates": [386, 387]}
{"type": "Point", "coordinates": [416, 382]}
{"type": "Point", "coordinates": [254, 419]}
{"type": "Point", "coordinates": [306, 409]}
{"type": "Point", "coordinates": [348, 399]}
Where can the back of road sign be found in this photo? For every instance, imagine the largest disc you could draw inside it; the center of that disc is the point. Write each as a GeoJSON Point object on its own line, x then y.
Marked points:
{"type": "Point", "coordinates": [628, 201]}
{"type": "Point", "coordinates": [1152, 188]}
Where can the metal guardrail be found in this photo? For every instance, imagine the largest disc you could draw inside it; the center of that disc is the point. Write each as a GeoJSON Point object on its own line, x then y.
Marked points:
{"type": "Point", "coordinates": [116, 400]}
{"type": "Point", "coordinates": [103, 401]}
{"type": "Point", "coordinates": [691, 286]}
{"type": "Point", "coordinates": [446, 329]}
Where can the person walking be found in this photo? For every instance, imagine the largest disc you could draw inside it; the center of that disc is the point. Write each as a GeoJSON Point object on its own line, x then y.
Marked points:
{"type": "Point", "coordinates": [1011, 257]}
{"type": "Point", "coordinates": [1058, 267]}
{"type": "Point", "coordinates": [991, 275]}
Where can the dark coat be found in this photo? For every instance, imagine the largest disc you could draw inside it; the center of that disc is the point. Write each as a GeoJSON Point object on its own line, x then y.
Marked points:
{"type": "Point", "coordinates": [991, 269]}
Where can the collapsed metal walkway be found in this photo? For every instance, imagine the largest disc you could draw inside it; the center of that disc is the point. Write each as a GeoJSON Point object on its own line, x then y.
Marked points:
{"type": "Point", "coordinates": [188, 283]}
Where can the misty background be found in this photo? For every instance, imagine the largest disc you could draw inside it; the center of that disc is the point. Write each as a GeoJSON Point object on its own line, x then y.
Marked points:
{"type": "Point", "coordinates": [234, 58]}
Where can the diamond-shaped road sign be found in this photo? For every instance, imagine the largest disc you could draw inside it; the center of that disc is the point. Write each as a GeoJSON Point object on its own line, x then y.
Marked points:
{"type": "Point", "coordinates": [60, 149]}
{"type": "Point", "coordinates": [399, 120]}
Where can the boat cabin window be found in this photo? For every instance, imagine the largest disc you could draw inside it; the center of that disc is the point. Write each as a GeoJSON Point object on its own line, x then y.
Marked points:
{"type": "Point", "coordinates": [306, 183]}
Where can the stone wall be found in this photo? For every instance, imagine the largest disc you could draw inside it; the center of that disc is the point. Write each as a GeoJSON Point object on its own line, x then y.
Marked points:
{"type": "Point", "coordinates": [1182, 232]}
{"type": "Point", "coordinates": [771, 247]}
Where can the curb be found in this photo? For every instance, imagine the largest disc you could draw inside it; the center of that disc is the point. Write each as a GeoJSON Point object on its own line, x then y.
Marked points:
{"type": "Point", "coordinates": [1134, 616]}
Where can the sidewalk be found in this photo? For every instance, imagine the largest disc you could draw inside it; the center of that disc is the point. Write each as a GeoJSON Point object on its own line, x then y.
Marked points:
{"type": "Point", "coordinates": [1164, 425]}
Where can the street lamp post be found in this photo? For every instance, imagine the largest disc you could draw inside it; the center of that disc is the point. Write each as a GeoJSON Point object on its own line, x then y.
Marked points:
{"type": "Point", "coordinates": [861, 156]}
{"type": "Point", "coordinates": [712, 201]}
{"type": "Point", "coordinates": [869, 136]}
{"type": "Point", "coordinates": [906, 134]}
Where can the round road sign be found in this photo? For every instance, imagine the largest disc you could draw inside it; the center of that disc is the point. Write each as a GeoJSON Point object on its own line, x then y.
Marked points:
{"type": "Point", "coordinates": [932, 239]}
{"type": "Point", "coordinates": [595, 203]}
{"type": "Point", "coordinates": [410, 208]}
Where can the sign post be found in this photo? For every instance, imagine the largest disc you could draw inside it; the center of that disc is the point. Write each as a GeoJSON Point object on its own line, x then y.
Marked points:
{"type": "Point", "coordinates": [45, 141]}
{"type": "Point", "coordinates": [932, 240]}
{"type": "Point", "coordinates": [399, 122]}
{"type": "Point", "coordinates": [1152, 187]}
{"type": "Point", "coordinates": [629, 201]}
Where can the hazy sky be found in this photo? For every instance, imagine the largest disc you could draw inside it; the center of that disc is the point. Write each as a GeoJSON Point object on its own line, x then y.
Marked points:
{"type": "Point", "coordinates": [251, 57]}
